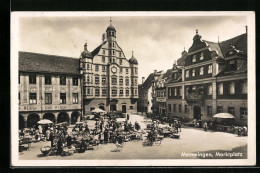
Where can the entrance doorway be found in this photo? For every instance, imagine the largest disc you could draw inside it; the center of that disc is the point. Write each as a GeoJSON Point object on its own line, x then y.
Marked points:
{"type": "Point", "coordinates": [197, 112]}
{"type": "Point", "coordinates": [32, 119]}
{"type": "Point", "coordinates": [63, 117]}
{"type": "Point", "coordinates": [74, 117]}
{"type": "Point", "coordinates": [112, 107]}
{"type": "Point", "coordinates": [123, 108]}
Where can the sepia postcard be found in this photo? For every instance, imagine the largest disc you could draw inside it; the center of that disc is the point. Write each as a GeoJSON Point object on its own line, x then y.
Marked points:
{"type": "Point", "coordinates": [133, 89]}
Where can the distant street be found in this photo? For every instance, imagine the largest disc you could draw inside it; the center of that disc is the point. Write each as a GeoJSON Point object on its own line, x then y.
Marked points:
{"type": "Point", "coordinates": [191, 141]}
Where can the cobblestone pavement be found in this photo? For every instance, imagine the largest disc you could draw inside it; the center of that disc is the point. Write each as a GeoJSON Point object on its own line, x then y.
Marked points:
{"type": "Point", "coordinates": [192, 142]}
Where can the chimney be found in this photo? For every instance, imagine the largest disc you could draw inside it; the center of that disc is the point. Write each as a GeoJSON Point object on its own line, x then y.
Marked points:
{"type": "Point", "coordinates": [86, 46]}
{"type": "Point", "coordinates": [155, 71]}
{"type": "Point", "coordinates": [143, 79]}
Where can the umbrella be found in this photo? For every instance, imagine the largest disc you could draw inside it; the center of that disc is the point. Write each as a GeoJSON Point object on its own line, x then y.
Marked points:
{"type": "Point", "coordinates": [45, 121]}
{"type": "Point", "coordinates": [223, 115]}
{"type": "Point", "coordinates": [98, 110]}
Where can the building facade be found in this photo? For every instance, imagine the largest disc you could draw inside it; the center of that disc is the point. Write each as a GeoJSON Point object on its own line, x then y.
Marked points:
{"type": "Point", "coordinates": [213, 80]}
{"type": "Point", "coordinates": [49, 88]}
{"type": "Point", "coordinates": [110, 80]}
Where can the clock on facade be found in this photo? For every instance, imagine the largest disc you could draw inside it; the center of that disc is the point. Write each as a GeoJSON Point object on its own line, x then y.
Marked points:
{"type": "Point", "coordinates": [113, 69]}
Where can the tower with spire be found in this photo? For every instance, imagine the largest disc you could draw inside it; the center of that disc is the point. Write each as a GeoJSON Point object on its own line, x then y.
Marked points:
{"type": "Point", "coordinates": [110, 79]}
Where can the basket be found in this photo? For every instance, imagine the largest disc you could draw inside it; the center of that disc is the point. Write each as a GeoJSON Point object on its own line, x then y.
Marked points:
{"type": "Point", "coordinates": [46, 150]}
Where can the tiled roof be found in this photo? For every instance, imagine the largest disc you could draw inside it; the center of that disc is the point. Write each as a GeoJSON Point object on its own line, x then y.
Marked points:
{"type": "Point", "coordinates": [240, 43]}
{"type": "Point", "coordinates": [148, 82]}
{"type": "Point", "coordinates": [214, 46]}
{"type": "Point", "coordinates": [95, 51]}
{"type": "Point", "coordinates": [36, 62]}
{"type": "Point", "coordinates": [167, 74]}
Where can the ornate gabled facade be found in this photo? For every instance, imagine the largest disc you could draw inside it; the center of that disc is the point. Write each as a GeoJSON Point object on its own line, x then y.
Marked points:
{"type": "Point", "coordinates": [110, 80]}
{"type": "Point", "coordinates": [213, 80]}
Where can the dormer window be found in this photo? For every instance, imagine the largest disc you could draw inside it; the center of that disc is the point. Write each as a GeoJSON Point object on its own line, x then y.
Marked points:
{"type": "Point", "coordinates": [232, 65]}
{"type": "Point", "coordinates": [201, 56]}
{"type": "Point", "coordinates": [193, 58]}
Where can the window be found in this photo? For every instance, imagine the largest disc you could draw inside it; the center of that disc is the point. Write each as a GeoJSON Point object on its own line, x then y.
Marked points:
{"type": "Point", "coordinates": [75, 81]}
{"type": "Point", "coordinates": [114, 92]}
{"type": "Point", "coordinates": [121, 70]}
{"type": "Point", "coordinates": [231, 110]}
{"type": "Point", "coordinates": [109, 59]}
{"type": "Point", "coordinates": [201, 70]}
{"type": "Point", "coordinates": [135, 92]}
{"type": "Point", "coordinates": [132, 92]}
{"type": "Point", "coordinates": [87, 66]}
{"type": "Point", "coordinates": [48, 98]}
{"type": "Point", "coordinates": [187, 109]}
{"type": "Point", "coordinates": [127, 82]}
{"type": "Point", "coordinates": [74, 98]}
{"type": "Point", "coordinates": [104, 92]}
{"type": "Point", "coordinates": [62, 98]}
{"type": "Point", "coordinates": [193, 72]}
{"type": "Point", "coordinates": [120, 54]}
{"type": "Point", "coordinates": [175, 91]}
{"type": "Point", "coordinates": [113, 60]}
{"type": "Point", "coordinates": [243, 113]}
{"type": "Point", "coordinates": [121, 92]}
{"type": "Point", "coordinates": [219, 109]}
{"type": "Point", "coordinates": [209, 91]}
{"type": "Point", "coordinates": [209, 69]}
{"type": "Point", "coordinates": [114, 80]}
{"type": "Point", "coordinates": [209, 110]}
{"type": "Point", "coordinates": [127, 92]}
{"type": "Point", "coordinates": [110, 52]}
{"type": "Point", "coordinates": [231, 88]}
{"type": "Point", "coordinates": [180, 109]}
{"type": "Point", "coordinates": [244, 87]}
{"type": "Point", "coordinates": [201, 56]}
{"type": "Point", "coordinates": [169, 92]}
{"type": "Point", "coordinates": [84, 90]}
{"type": "Point", "coordinates": [104, 52]}
{"type": "Point", "coordinates": [96, 68]}
{"type": "Point", "coordinates": [97, 92]}
{"type": "Point", "coordinates": [88, 91]}
{"type": "Point", "coordinates": [135, 81]}
{"type": "Point", "coordinates": [47, 80]}
{"type": "Point", "coordinates": [62, 80]}
{"type": "Point", "coordinates": [96, 80]}
{"type": "Point", "coordinates": [232, 64]}
{"type": "Point", "coordinates": [174, 108]}
{"type": "Point", "coordinates": [88, 80]}
{"type": "Point", "coordinates": [113, 52]}
{"type": "Point", "coordinates": [110, 43]}
{"type": "Point", "coordinates": [32, 98]}
{"type": "Point", "coordinates": [32, 79]}
{"type": "Point", "coordinates": [180, 91]}
{"type": "Point", "coordinates": [121, 81]}
{"type": "Point", "coordinates": [103, 59]}
{"type": "Point", "coordinates": [103, 80]}
{"type": "Point", "coordinates": [126, 70]}
{"type": "Point", "coordinates": [187, 73]}
{"type": "Point", "coordinates": [220, 89]}
{"type": "Point", "coordinates": [113, 44]}
{"type": "Point", "coordinates": [136, 70]}
{"type": "Point", "coordinates": [103, 68]}
{"type": "Point", "coordinates": [120, 61]}
{"type": "Point", "coordinates": [169, 107]}
{"type": "Point", "coordinates": [193, 58]}
{"type": "Point", "coordinates": [131, 107]}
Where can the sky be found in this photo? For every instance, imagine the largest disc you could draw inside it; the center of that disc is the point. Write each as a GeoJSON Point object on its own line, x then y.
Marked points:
{"type": "Point", "coordinates": [157, 41]}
